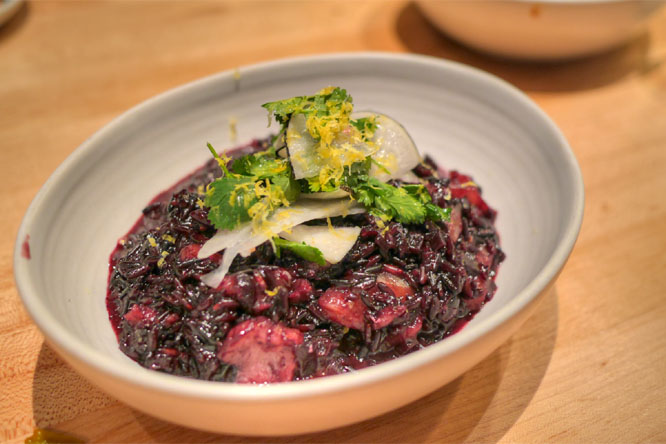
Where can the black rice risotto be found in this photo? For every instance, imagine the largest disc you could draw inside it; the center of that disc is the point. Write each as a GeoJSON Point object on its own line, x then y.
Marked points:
{"type": "Point", "coordinates": [400, 288]}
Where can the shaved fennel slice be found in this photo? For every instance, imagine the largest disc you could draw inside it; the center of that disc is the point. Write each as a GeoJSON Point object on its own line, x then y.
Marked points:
{"type": "Point", "coordinates": [334, 243]}
{"type": "Point", "coordinates": [244, 240]}
{"type": "Point", "coordinates": [224, 239]}
{"type": "Point", "coordinates": [286, 218]}
{"type": "Point", "coordinates": [396, 150]}
{"type": "Point", "coordinates": [304, 150]}
{"type": "Point", "coordinates": [410, 177]}
{"type": "Point", "coordinates": [322, 195]}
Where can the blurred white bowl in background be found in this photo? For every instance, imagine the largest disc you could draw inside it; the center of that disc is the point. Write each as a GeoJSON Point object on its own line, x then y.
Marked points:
{"type": "Point", "coordinates": [541, 30]}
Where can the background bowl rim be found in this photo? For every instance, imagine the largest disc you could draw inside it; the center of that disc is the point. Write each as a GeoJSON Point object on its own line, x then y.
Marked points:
{"type": "Point", "coordinates": [572, 3]}
{"type": "Point", "coordinates": [69, 344]}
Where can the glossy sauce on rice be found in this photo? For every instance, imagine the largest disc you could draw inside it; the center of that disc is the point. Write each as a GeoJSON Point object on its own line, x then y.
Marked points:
{"type": "Point", "coordinates": [400, 288]}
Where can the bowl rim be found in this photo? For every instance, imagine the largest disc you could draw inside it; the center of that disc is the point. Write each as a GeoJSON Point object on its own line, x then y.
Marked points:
{"type": "Point", "coordinates": [573, 3]}
{"type": "Point", "coordinates": [192, 388]}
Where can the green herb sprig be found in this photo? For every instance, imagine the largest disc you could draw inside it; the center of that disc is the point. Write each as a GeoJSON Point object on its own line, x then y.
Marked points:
{"type": "Point", "coordinates": [303, 250]}
{"type": "Point", "coordinates": [409, 203]}
{"type": "Point", "coordinates": [328, 102]}
{"type": "Point", "coordinates": [252, 188]}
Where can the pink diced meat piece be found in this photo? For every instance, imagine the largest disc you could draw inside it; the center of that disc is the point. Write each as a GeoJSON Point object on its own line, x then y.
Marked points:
{"type": "Point", "coordinates": [189, 252]}
{"type": "Point", "coordinates": [341, 305]}
{"type": "Point", "coordinates": [140, 314]}
{"type": "Point", "coordinates": [455, 224]}
{"type": "Point", "coordinates": [301, 291]}
{"type": "Point", "coordinates": [262, 351]}
{"type": "Point", "coordinates": [406, 334]}
{"type": "Point", "coordinates": [387, 315]}
{"type": "Point", "coordinates": [400, 287]}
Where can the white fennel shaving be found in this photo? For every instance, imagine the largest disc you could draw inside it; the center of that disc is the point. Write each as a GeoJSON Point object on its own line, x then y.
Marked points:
{"type": "Point", "coordinates": [243, 240]}
{"type": "Point", "coordinates": [334, 243]}
{"type": "Point", "coordinates": [396, 151]}
{"type": "Point", "coordinates": [392, 147]}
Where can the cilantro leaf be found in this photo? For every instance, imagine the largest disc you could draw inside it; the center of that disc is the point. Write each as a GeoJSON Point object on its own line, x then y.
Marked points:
{"type": "Point", "coordinates": [357, 171]}
{"type": "Point", "coordinates": [221, 160]}
{"type": "Point", "coordinates": [406, 204]}
{"type": "Point", "coordinates": [288, 185]}
{"type": "Point", "coordinates": [252, 188]}
{"type": "Point", "coordinates": [283, 109]}
{"type": "Point", "coordinates": [260, 165]}
{"type": "Point", "coordinates": [433, 212]}
{"type": "Point", "coordinates": [315, 185]}
{"type": "Point", "coordinates": [389, 202]}
{"type": "Point", "coordinates": [437, 213]}
{"type": "Point", "coordinates": [229, 198]}
{"type": "Point", "coordinates": [303, 250]}
{"type": "Point", "coordinates": [318, 104]}
{"type": "Point", "coordinates": [366, 125]}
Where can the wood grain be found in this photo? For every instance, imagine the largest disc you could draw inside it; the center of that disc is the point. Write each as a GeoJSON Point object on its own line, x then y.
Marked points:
{"type": "Point", "coordinates": [589, 366]}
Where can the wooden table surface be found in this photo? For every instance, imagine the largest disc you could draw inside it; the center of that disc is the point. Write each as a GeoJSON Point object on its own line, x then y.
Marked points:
{"type": "Point", "coordinates": [589, 366]}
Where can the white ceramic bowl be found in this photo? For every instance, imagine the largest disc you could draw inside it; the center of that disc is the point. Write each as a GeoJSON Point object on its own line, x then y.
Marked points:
{"type": "Point", "coordinates": [466, 119]}
{"type": "Point", "coordinates": [541, 30]}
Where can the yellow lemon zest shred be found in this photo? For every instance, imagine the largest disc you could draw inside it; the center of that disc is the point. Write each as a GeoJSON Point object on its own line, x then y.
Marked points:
{"type": "Point", "coordinates": [338, 140]}
{"type": "Point", "coordinates": [169, 238]}
{"type": "Point", "coordinates": [223, 160]}
{"type": "Point", "coordinates": [233, 130]}
{"type": "Point", "coordinates": [234, 194]}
